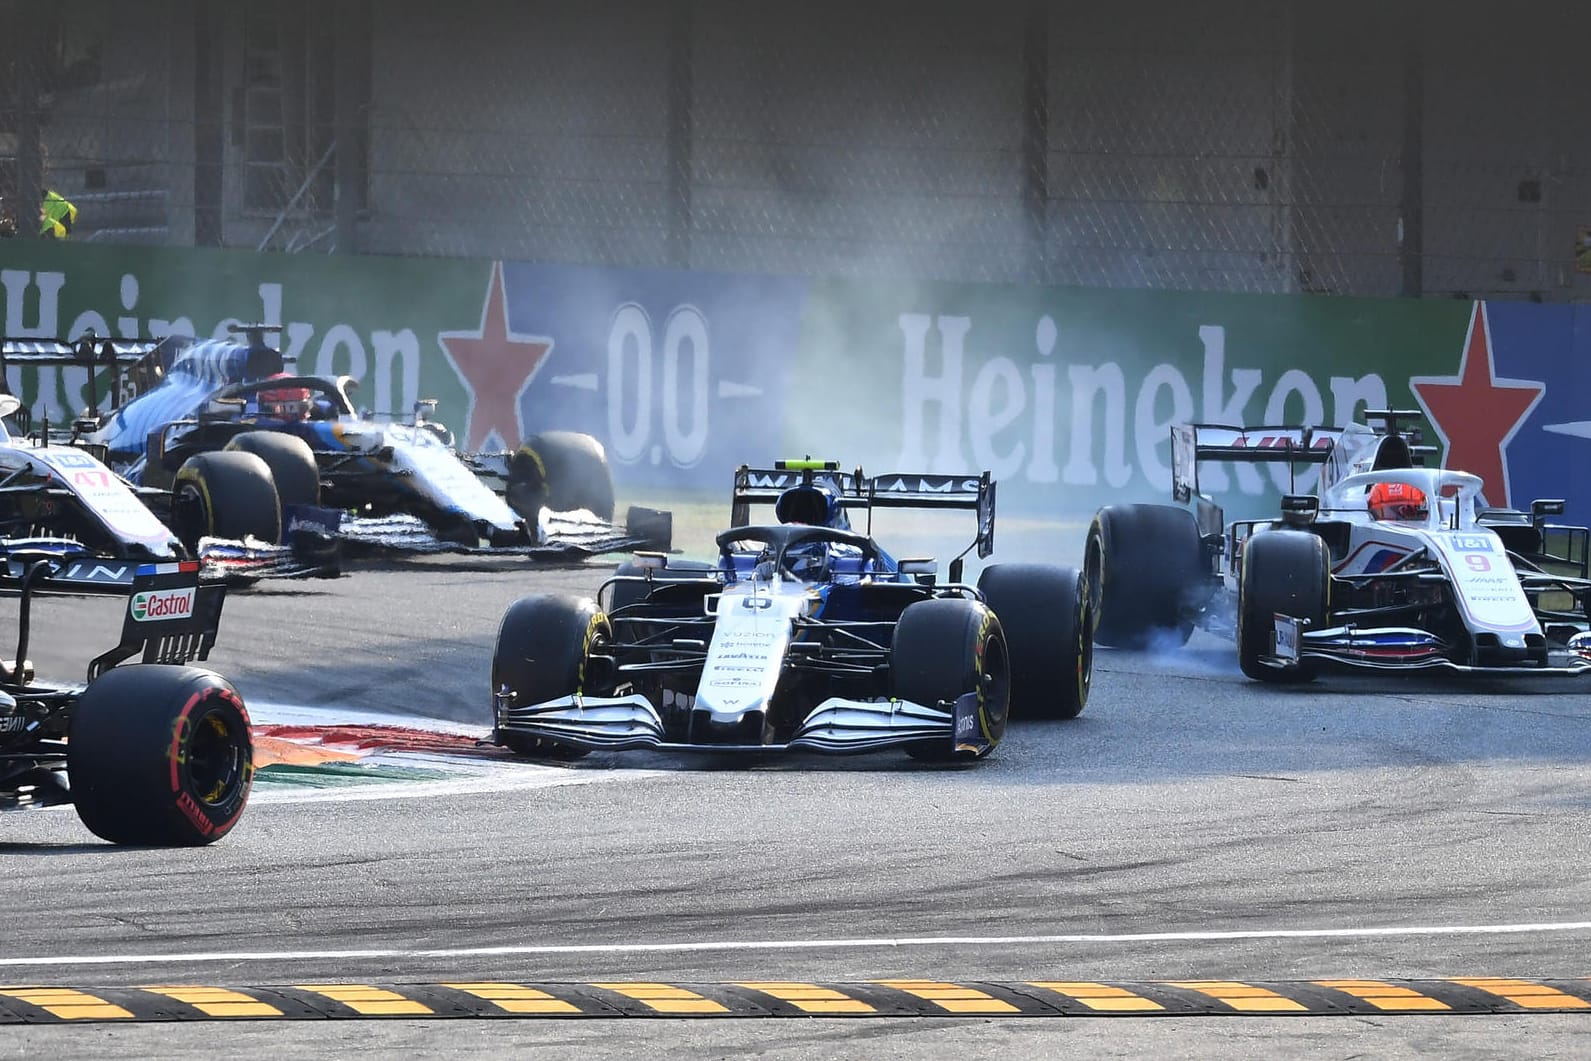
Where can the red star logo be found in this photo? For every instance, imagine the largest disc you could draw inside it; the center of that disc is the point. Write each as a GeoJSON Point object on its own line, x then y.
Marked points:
{"type": "Point", "coordinates": [1475, 413]}
{"type": "Point", "coordinates": [495, 366]}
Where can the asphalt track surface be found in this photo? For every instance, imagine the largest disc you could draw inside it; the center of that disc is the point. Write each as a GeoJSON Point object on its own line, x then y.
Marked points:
{"type": "Point", "coordinates": [1190, 826]}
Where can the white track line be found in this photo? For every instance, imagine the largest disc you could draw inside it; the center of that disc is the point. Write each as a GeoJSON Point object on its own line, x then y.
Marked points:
{"type": "Point", "coordinates": [804, 944]}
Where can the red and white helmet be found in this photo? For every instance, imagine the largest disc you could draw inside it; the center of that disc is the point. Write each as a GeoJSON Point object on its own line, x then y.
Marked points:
{"type": "Point", "coordinates": [1397, 501]}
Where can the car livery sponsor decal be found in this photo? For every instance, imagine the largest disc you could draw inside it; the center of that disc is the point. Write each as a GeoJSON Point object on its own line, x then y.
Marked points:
{"type": "Point", "coordinates": [1472, 543]}
{"type": "Point", "coordinates": [746, 656]}
{"type": "Point", "coordinates": [154, 606]}
{"type": "Point", "coordinates": [1485, 584]}
{"type": "Point", "coordinates": [107, 497]}
{"type": "Point", "coordinates": [69, 459]}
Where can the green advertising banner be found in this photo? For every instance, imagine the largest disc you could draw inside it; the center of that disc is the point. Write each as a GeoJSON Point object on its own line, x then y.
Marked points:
{"type": "Point", "coordinates": [1068, 395]}
{"type": "Point", "coordinates": [376, 319]}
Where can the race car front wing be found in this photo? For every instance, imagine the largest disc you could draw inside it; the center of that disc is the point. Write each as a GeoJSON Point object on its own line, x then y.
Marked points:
{"type": "Point", "coordinates": [837, 726]}
{"type": "Point", "coordinates": [1402, 649]}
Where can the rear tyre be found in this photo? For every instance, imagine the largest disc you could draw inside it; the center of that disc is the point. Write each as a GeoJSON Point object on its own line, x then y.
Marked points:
{"type": "Point", "coordinates": [1049, 633]}
{"type": "Point", "coordinates": [291, 461]}
{"type": "Point", "coordinates": [160, 756]}
{"type": "Point", "coordinates": [1146, 574]}
{"type": "Point", "coordinates": [1283, 571]}
{"type": "Point", "coordinates": [543, 645]}
{"type": "Point", "coordinates": [225, 495]}
{"type": "Point", "coordinates": [563, 471]}
{"type": "Point", "coordinates": [942, 649]}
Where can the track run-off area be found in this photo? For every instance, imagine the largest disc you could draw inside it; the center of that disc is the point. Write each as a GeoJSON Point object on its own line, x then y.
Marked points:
{"type": "Point", "coordinates": [1198, 865]}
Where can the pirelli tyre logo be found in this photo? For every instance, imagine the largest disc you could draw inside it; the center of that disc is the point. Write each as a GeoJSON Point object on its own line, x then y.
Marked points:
{"type": "Point", "coordinates": [160, 605]}
{"type": "Point", "coordinates": [29, 1004]}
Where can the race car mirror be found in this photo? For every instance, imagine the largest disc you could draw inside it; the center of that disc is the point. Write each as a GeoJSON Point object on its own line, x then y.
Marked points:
{"type": "Point", "coordinates": [923, 569]}
{"type": "Point", "coordinates": [650, 561]}
{"type": "Point", "coordinates": [1300, 510]}
{"type": "Point", "coordinates": [1546, 507]}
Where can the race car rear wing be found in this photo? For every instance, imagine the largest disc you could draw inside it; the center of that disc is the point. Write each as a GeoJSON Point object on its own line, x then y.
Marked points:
{"type": "Point", "coordinates": [171, 617]}
{"type": "Point", "coordinates": [1386, 433]}
{"type": "Point", "coordinates": [1195, 444]}
{"type": "Point", "coordinates": [856, 490]}
{"type": "Point", "coordinates": [134, 364]}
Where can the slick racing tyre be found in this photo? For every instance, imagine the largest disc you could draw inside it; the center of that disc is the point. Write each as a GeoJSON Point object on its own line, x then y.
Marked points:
{"type": "Point", "coordinates": [563, 471]}
{"type": "Point", "coordinates": [292, 464]}
{"type": "Point", "coordinates": [160, 756]}
{"type": "Point", "coordinates": [942, 649]}
{"type": "Point", "coordinates": [225, 495]}
{"type": "Point", "coordinates": [1283, 571]}
{"type": "Point", "coordinates": [1049, 633]}
{"type": "Point", "coordinates": [544, 643]}
{"type": "Point", "coordinates": [1146, 575]}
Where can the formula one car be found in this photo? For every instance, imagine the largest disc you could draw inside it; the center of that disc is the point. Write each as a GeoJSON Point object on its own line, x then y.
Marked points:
{"type": "Point", "coordinates": [1389, 565]}
{"type": "Point", "coordinates": [226, 445]}
{"type": "Point", "coordinates": [152, 753]}
{"type": "Point", "coordinates": [52, 483]}
{"type": "Point", "coordinates": [802, 635]}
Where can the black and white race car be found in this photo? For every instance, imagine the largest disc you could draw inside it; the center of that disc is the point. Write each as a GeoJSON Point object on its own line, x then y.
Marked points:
{"type": "Point", "coordinates": [801, 635]}
{"type": "Point", "coordinates": [1387, 565]}
{"type": "Point", "coordinates": [155, 752]}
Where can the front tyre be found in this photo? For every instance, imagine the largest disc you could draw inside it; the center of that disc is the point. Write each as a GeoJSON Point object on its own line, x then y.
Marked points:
{"type": "Point", "coordinates": [944, 648]}
{"type": "Point", "coordinates": [160, 756]}
{"type": "Point", "coordinates": [1286, 572]}
{"type": "Point", "coordinates": [226, 494]}
{"type": "Point", "coordinates": [1049, 631]}
{"type": "Point", "coordinates": [544, 644]}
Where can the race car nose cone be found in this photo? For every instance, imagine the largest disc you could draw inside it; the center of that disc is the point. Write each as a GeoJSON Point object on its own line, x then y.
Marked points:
{"type": "Point", "coordinates": [715, 727]}
{"type": "Point", "coordinates": [1580, 645]}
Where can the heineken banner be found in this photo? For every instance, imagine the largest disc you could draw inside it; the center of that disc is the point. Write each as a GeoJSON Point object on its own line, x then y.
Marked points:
{"type": "Point", "coordinates": [1066, 395]}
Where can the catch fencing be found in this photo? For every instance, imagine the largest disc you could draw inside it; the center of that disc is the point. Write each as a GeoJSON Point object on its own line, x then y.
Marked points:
{"type": "Point", "coordinates": [1371, 148]}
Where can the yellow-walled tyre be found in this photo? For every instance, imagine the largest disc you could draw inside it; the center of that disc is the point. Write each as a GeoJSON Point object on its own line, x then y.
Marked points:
{"type": "Point", "coordinates": [225, 495]}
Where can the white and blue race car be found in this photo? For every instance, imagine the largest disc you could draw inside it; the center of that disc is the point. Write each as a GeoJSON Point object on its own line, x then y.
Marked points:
{"type": "Point", "coordinates": [1387, 565]}
{"type": "Point", "coordinates": [227, 446]}
{"type": "Point", "coordinates": [802, 635]}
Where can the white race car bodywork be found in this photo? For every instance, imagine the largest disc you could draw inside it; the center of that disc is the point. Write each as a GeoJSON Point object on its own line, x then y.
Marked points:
{"type": "Point", "coordinates": [1451, 562]}
{"type": "Point", "coordinates": [100, 493]}
{"type": "Point", "coordinates": [753, 632]}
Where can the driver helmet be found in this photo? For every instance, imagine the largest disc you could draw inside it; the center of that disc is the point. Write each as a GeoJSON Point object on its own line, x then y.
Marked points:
{"type": "Point", "coordinates": [812, 505]}
{"type": "Point", "coordinates": [288, 403]}
{"type": "Point", "coordinates": [1397, 501]}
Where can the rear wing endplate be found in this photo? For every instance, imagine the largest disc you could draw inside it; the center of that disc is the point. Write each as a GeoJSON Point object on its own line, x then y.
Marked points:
{"type": "Point", "coordinates": [171, 617]}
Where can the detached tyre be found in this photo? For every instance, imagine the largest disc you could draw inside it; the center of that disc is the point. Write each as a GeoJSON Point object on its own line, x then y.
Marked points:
{"type": "Point", "coordinates": [225, 495]}
{"type": "Point", "coordinates": [160, 756]}
{"type": "Point", "coordinates": [543, 645]}
{"type": "Point", "coordinates": [1147, 574]}
{"type": "Point", "coordinates": [1283, 571]}
{"type": "Point", "coordinates": [944, 648]}
{"type": "Point", "coordinates": [290, 460]}
{"type": "Point", "coordinates": [1049, 632]}
{"type": "Point", "coordinates": [563, 471]}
